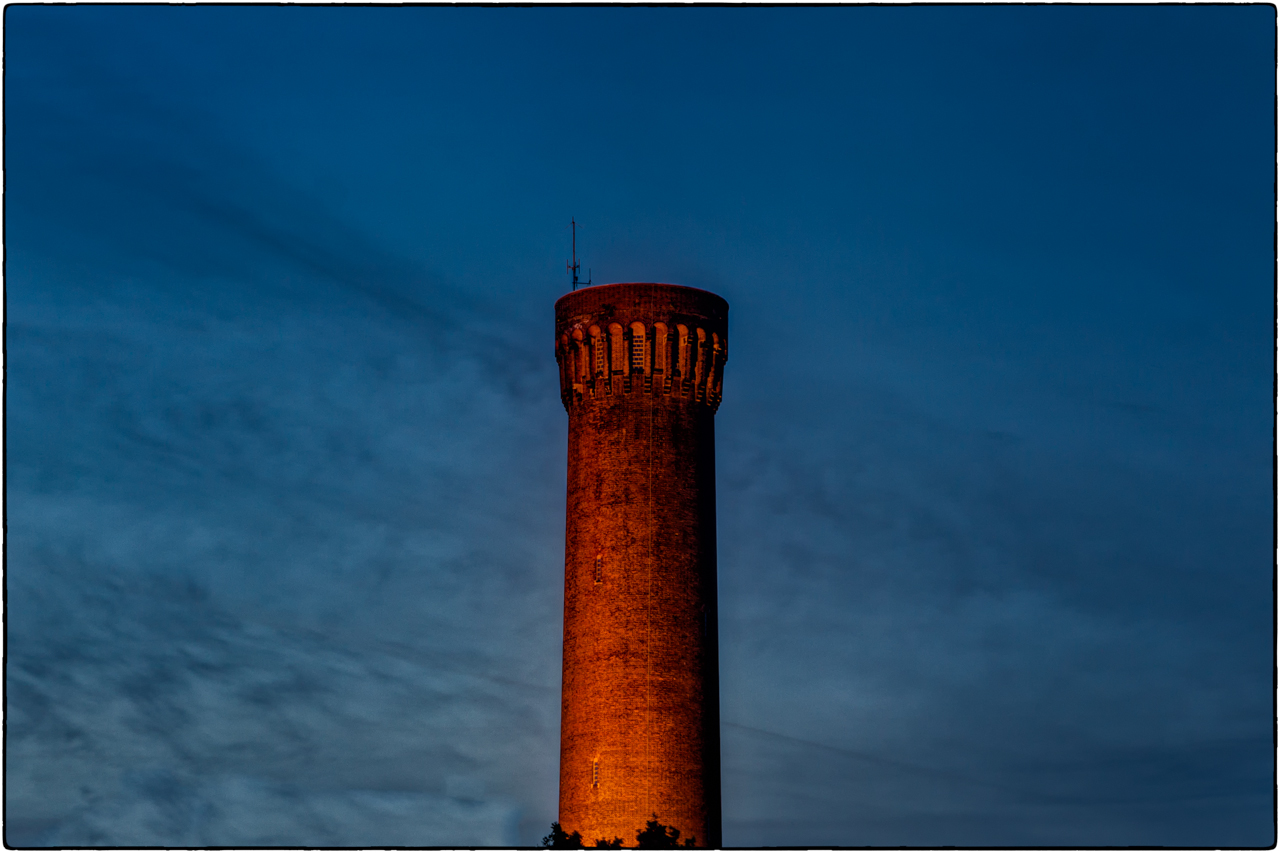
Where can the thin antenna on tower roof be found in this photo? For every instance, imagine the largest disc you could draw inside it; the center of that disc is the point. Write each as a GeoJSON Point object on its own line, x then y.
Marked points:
{"type": "Point", "coordinates": [574, 266]}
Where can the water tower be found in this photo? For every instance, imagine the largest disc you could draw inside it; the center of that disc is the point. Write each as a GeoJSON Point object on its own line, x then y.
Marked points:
{"type": "Point", "coordinates": [640, 375]}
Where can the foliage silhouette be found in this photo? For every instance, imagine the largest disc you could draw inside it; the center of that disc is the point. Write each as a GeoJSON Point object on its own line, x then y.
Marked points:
{"type": "Point", "coordinates": [653, 836]}
{"type": "Point", "coordinates": [561, 840]}
{"type": "Point", "coordinates": [656, 836]}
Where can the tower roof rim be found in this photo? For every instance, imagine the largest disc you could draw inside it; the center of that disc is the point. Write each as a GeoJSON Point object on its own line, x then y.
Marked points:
{"type": "Point", "coordinates": [640, 284]}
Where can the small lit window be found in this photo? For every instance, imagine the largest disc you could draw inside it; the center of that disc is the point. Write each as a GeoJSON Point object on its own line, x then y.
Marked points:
{"type": "Point", "coordinates": [599, 568]}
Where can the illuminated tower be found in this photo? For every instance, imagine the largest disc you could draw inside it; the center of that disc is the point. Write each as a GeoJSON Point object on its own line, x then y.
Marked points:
{"type": "Point", "coordinates": [640, 375]}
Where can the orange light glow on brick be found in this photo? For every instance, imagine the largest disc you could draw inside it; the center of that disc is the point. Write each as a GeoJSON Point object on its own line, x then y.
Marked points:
{"type": "Point", "coordinates": [640, 368]}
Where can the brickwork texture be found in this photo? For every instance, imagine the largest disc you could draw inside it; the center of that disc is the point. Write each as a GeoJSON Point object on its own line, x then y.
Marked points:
{"type": "Point", "coordinates": [640, 369]}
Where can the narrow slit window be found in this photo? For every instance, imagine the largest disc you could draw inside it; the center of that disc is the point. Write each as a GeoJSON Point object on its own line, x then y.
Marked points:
{"type": "Point", "coordinates": [595, 773]}
{"type": "Point", "coordinates": [599, 568]}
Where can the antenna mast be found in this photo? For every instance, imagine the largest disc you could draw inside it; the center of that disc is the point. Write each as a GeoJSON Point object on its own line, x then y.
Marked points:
{"type": "Point", "coordinates": [574, 266]}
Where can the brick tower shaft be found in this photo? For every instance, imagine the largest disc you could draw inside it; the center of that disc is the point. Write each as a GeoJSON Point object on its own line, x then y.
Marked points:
{"type": "Point", "coordinates": [640, 368]}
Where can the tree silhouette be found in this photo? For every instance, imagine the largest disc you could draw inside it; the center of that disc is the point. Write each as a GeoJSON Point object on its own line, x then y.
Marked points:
{"type": "Point", "coordinates": [560, 840]}
{"type": "Point", "coordinates": [656, 836]}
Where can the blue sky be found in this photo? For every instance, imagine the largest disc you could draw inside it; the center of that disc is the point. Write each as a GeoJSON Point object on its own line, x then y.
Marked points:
{"type": "Point", "coordinates": [286, 456]}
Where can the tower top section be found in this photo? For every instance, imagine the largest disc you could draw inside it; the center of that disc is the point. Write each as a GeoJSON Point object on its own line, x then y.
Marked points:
{"type": "Point", "coordinates": [614, 341]}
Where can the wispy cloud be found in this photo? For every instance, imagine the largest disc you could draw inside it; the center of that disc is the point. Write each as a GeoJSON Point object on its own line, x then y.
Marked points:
{"type": "Point", "coordinates": [285, 514]}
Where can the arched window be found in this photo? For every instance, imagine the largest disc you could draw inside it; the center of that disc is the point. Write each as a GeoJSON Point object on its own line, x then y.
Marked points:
{"type": "Point", "coordinates": [700, 368]}
{"type": "Point", "coordinates": [564, 357]}
{"type": "Point", "coordinates": [660, 356]}
{"type": "Point", "coordinates": [578, 360]}
{"type": "Point", "coordinates": [682, 354]}
{"type": "Point", "coordinates": [618, 349]}
{"type": "Point", "coordinates": [717, 360]}
{"type": "Point", "coordinates": [597, 347]}
{"type": "Point", "coordinates": [639, 349]}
